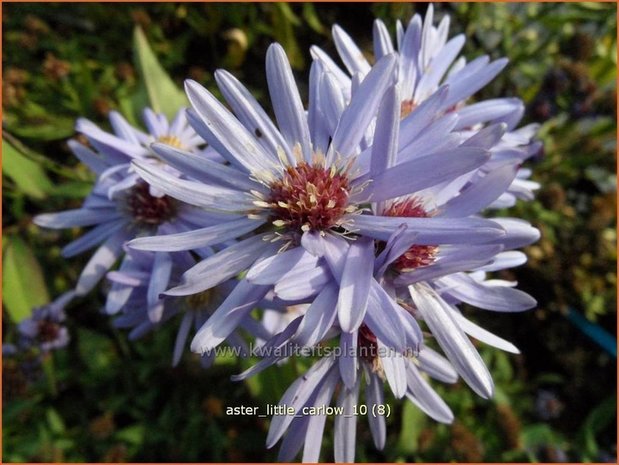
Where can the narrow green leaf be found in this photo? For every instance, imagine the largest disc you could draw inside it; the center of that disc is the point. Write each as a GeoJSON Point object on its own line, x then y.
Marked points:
{"type": "Point", "coordinates": [163, 95]}
{"type": "Point", "coordinates": [23, 287]}
{"type": "Point", "coordinates": [27, 174]}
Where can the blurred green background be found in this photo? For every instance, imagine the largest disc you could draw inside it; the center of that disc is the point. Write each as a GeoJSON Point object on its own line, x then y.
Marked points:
{"type": "Point", "coordinates": [105, 399]}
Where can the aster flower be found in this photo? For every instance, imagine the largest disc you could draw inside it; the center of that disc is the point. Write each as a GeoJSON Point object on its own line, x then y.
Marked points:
{"type": "Point", "coordinates": [305, 184]}
{"type": "Point", "coordinates": [44, 329]}
{"type": "Point", "coordinates": [431, 76]}
{"type": "Point", "coordinates": [121, 206]}
{"type": "Point", "coordinates": [136, 291]}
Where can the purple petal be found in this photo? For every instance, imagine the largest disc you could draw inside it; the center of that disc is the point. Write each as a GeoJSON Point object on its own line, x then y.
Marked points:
{"type": "Point", "coordinates": [495, 298]}
{"type": "Point", "coordinates": [483, 335]}
{"type": "Point", "coordinates": [251, 114]}
{"type": "Point", "coordinates": [385, 145]}
{"type": "Point", "coordinates": [355, 284]}
{"type": "Point", "coordinates": [319, 317]}
{"type": "Point", "coordinates": [222, 266]}
{"type": "Point", "coordinates": [362, 108]}
{"type": "Point", "coordinates": [100, 262]}
{"type": "Point", "coordinates": [375, 396]}
{"type": "Point", "coordinates": [438, 67]}
{"type": "Point", "coordinates": [224, 132]}
{"type": "Point", "coordinates": [480, 194]}
{"type": "Point", "coordinates": [452, 340]}
{"type": "Point", "coordinates": [159, 280]}
{"type": "Point", "coordinates": [286, 101]}
{"type": "Point", "coordinates": [349, 52]}
{"type": "Point", "coordinates": [423, 172]}
{"type": "Point", "coordinates": [191, 240]}
{"type": "Point", "coordinates": [273, 269]}
{"type": "Point", "coordinates": [77, 217]}
{"type": "Point", "coordinates": [202, 169]}
{"type": "Point", "coordinates": [437, 366]}
{"type": "Point", "coordinates": [394, 367]}
{"type": "Point", "coordinates": [92, 238]}
{"type": "Point", "coordinates": [381, 40]}
{"type": "Point", "coordinates": [181, 337]}
{"type": "Point", "coordinates": [348, 362]}
{"type": "Point", "coordinates": [345, 426]}
{"type": "Point", "coordinates": [462, 88]}
{"type": "Point", "coordinates": [201, 195]}
{"type": "Point", "coordinates": [487, 110]}
{"type": "Point", "coordinates": [297, 395]}
{"type": "Point", "coordinates": [425, 397]}
{"type": "Point", "coordinates": [227, 317]}
{"type": "Point", "coordinates": [429, 231]}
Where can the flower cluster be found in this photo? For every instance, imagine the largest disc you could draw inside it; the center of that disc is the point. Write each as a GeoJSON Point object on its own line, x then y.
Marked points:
{"type": "Point", "coordinates": [359, 220]}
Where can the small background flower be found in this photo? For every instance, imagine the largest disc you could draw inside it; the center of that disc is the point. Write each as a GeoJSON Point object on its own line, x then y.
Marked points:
{"type": "Point", "coordinates": [62, 62]}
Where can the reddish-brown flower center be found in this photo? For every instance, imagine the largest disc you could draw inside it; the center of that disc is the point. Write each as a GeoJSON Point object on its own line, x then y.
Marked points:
{"type": "Point", "coordinates": [416, 255]}
{"type": "Point", "coordinates": [309, 197]}
{"type": "Point", "coordinates": [48, 330]}
{"type": "Point", "coordinates": [406, 107]}
{"type": "Point", "coordinates": [147, 209]}
{"type": "Point", "coordinates": [366, 343]}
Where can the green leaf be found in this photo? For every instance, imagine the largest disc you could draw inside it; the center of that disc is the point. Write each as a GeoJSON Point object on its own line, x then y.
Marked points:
{"type": "Point", "coordinates": [56, 425]}
{"type": "Point", "coordinates": [163, 95]}
{"type": "Point", "coordinates": [27, 174]}
{"type": "Point", "coordinates": [413, 422]}
{"type": "Point", "coordinates": [23, 287]}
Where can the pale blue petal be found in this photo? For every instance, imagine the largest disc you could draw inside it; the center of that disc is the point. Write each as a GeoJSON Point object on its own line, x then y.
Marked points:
{"type": "Point", "coordinates": [160, 277]}
{"type": "Point", "coordinates": [191, 240]}
{"type": "Point", "coordinates": [252, 115]}
{"type": "Point", "coordinates": [302, 285]}
{"type": "Point", "coordinates": [421, 173]}
{"type": "Point", "coordinates": [77, 217]}
{"type": "Point", "coordinates": [480, 194]}
{"type": "Point", "coordinates": [385, 146]}
{"type": "Point", "coordinates": [296, 396]}
{"type": "Point", "coordinates": [438, 67]}
{"type": "Point", "coordinates": [437, 366]}
{"type": "Point", "coordinates": [315, 430]}
{"type": "Point", "coordinates": [202, 169]}
{"type": "Point", "coordinates": [286, 101]}
{"type": "Point", "coordinates": [95, 162]}
{"type": "Point", "coordinates": [452, 340]}
{"type": "Point", "coordinates": [425, 397]}
{"type": "Point", "coordinates": [227, 317]}
{"type": "Point", "coordinates": [348, 362]}
{"type": "Point", "coordinates": [349, 52]}
{"type": "Point", "coordinates": [318, 318]}
{"type": "Point", "coordinates": [430, 231]}
{"type": "Point", "coordinates": [345, 426]}
{"type": "Point", "coordinates": [201, 195]}
{"type": "Point", "coordinates": [181, 337]}
{"type": "Point", "coordinates": [381, 39]}
{"type": "Point", "coordinates": [355, 284]}
{"type": "Point", "coordinates": [483, 335]}
{"type": "Point", "coordinates": [222, 266]}
{"type": "Point", "coordinates": [273, 269]}
{"type": "Point", "coordinates": [362, 108]}
{"type": "Point", "coordinates": [100, 263]}
{"type": "Point", "coordinates": [394, 367]}
{"type": "Point", "coordinates": [375, 396]}
{"type": "Point", "coordinates": [463, 88]}
{"type": "Point", "coordinates": [224, 132]}
{"type": "Point", "coordinates": [495, 298]}
{"type": "Point", "coordinates": [488, 110]}
{"type": "Point", "coordinates": [92, 238]}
